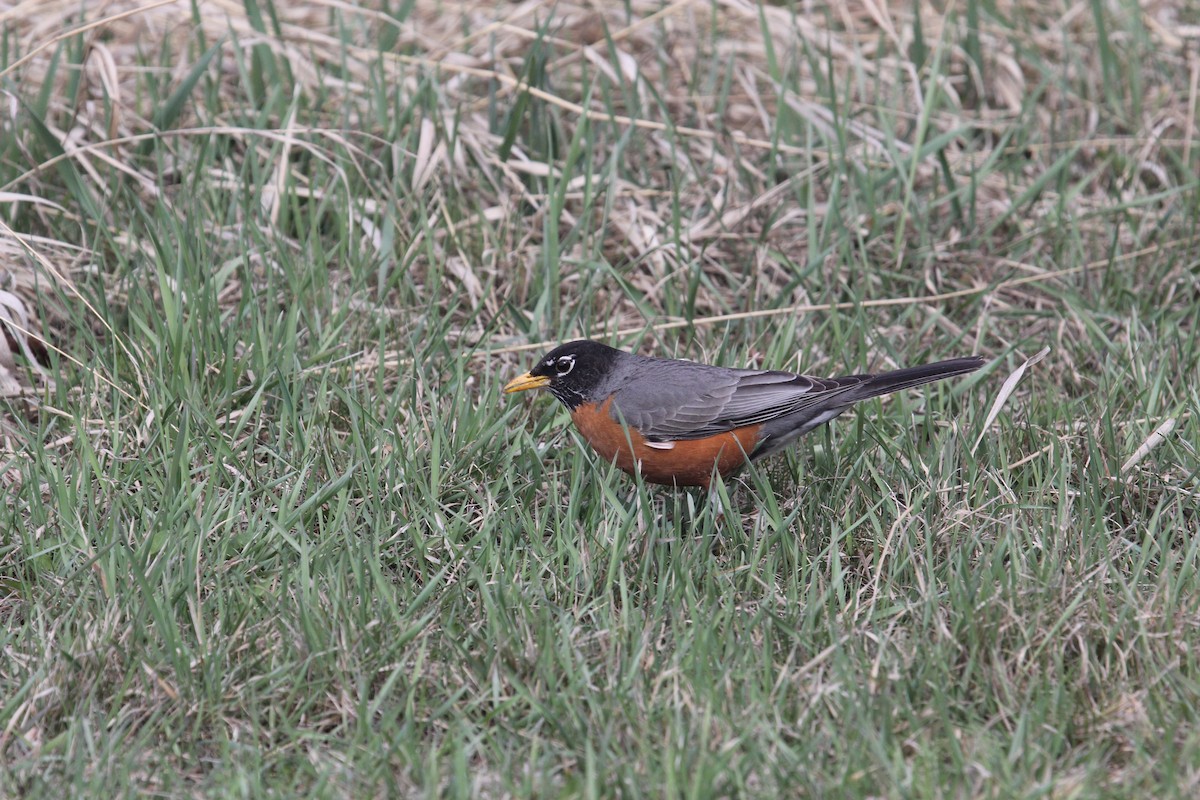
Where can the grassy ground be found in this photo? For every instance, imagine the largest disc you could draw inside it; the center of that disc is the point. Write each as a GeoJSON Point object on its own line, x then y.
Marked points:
{"type": "Point", "coordinates": [269, 527]}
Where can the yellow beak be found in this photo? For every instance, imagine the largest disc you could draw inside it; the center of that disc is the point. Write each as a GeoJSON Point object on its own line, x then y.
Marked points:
{"type": "Point", "coordinates": [526, 382]}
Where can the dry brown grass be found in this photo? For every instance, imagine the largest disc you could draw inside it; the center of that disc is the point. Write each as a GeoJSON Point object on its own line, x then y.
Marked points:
{"type": "Point", "coordinates": [736, 208]}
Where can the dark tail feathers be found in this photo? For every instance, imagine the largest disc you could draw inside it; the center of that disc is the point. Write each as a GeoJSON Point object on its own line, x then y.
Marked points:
{"type": "Point", "coordinates": [888, 382]}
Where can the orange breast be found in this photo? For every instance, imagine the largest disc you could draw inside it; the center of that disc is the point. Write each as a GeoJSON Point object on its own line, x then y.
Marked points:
{"type": "Point", "coordinates": [687, 463]}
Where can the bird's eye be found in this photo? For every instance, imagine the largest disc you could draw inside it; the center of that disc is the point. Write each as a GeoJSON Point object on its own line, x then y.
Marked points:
{"type": "Point", "coordinates": [564, 365]}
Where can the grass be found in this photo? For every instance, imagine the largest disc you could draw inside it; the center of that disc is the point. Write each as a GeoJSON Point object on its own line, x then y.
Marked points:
{"type": "Point", "coordinates": [269, 528]}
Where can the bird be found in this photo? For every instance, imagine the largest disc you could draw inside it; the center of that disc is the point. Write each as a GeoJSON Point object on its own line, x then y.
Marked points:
{"type": "Point", "coordinates": [680, 423]}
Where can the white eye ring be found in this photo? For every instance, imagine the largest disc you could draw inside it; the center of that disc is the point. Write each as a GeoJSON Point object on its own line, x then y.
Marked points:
{"type": "Point", "coordinates": [564, 365]}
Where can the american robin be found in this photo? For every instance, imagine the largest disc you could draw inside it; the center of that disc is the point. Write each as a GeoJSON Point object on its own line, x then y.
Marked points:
{"type": "Point", "coordinates": [678, 421]}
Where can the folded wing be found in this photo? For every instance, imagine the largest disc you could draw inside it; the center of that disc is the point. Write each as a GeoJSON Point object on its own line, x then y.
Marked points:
{"type": "Point", "coordinates": [696, 403]}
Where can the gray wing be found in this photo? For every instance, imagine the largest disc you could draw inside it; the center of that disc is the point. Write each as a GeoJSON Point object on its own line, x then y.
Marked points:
{"type": "Point", "coordinates": [675, 400]}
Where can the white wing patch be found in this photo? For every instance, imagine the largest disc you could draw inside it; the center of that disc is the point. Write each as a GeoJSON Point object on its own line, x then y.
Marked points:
{"type": "Point", "coordinates": [661, 445]}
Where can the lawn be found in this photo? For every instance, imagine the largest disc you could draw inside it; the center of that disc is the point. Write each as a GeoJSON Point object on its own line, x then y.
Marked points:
{"type": "Point", "coordinates": [270, 528]}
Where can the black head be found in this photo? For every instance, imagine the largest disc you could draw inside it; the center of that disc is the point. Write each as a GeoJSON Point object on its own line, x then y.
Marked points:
{"type": "Point", "coordinates": [572, 372]}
